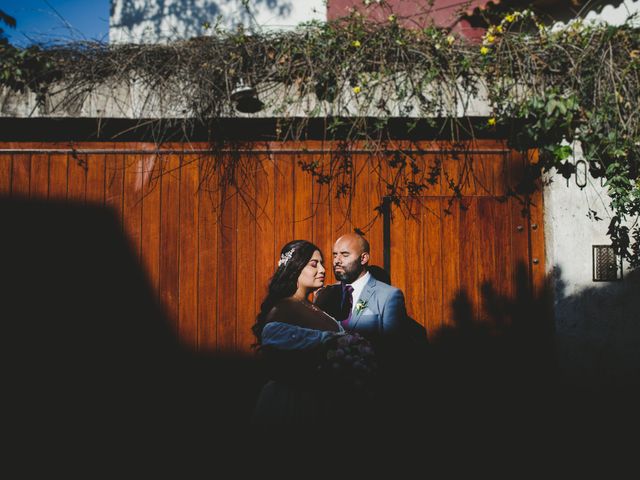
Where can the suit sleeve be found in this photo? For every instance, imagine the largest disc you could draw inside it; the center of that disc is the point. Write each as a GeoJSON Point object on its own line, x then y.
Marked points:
{"type": "Point", "coordinates": [394, 314]}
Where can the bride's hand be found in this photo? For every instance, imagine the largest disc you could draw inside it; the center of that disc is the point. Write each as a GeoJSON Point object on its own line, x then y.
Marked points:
{"type": "Point", "coordinates": [316, 292]}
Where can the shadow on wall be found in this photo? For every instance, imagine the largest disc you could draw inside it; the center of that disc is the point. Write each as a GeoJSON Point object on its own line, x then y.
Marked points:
{"type": "Point", "coordinates": [92, 366]}
{"type": "Point", "coordinates": [198, 13]}
{"type": "Point", "coordinates": [598, 332]}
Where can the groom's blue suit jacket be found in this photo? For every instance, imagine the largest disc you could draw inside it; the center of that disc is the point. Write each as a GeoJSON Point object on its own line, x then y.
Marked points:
{"type": "Point", "coordinates": [384, 314]}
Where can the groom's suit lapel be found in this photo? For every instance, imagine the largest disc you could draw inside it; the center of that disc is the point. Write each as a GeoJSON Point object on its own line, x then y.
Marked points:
{"type": "Point", "coordinates": [366, 296]}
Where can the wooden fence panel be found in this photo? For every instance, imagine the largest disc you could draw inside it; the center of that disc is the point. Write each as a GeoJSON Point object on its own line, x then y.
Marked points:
{"type": "Point", "coordinates": [228, 281]}
{"type": "Point", "coordinates": [246, 264]}
{"type": "Point", "coordinates": [150, 233]}
{"type": "Point", "coordinates": [39, 176]}
{"type": "Point", "coordinates": [132, 204]}
{"type": "Point", "coordinates": [6, 165]}
{"type": "Point", "coordinates": [188, 251]}
{"type": "Point", "coordinates": [211, 266]}
{"type": "Point", "coordinates": [208, 264]}
{"type": "Point", "coordinates": [170, 235]}
{"type": "Point", "coordinates": [95, 191]}
{"type": "Point", "coordinates": [77, 178]}
{"type": "Point", "coordinates": [21, 175]}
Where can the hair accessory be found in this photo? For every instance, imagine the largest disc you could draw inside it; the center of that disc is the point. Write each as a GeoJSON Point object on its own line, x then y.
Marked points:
{"type": "Point", "coordinates": [285, 257]}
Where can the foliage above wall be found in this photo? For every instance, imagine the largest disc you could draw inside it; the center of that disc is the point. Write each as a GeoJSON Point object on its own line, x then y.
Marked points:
{"type": "Point", "coordinates": [549, 89]}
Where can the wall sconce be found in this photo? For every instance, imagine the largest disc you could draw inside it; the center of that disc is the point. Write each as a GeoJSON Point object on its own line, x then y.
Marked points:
{"type": "Point", "coordinates": [581, 170]}
{"type": "Point", "coordinates": [581, 174]}
{"type": "Point", "coordinates": [246, 98]}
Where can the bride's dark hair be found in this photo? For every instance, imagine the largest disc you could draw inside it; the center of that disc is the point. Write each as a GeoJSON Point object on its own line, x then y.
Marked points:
{"type": "Point", "coordinates": [294, 256]}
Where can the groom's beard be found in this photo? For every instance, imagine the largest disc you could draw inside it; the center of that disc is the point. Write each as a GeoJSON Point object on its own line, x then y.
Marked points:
{"type": "Point", "coordinates": [350, 272]}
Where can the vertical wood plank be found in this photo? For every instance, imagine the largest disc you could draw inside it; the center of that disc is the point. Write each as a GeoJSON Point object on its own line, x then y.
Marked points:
{"type": "Point", "coordinates": [283, 196]}
{"type": "Point", "coordinates": [208, 261]}
{"type": "Point", "coordinates": [360, 214]}
{"type": "Point", "coordinates": [470, 251]}
{"type": "Point", "coordinates": [20, 181]}
{"type": "Point", "coordinates": [39, 176]}
{"type": "Point", "coordinates": [500, 174]}
{"type": "Point", "coordinates": [502, 231]}
{"type": "Point", "coordinates": [433, 265]}
{"type": "Point", "coordinates": [150, 234]}
{"type": "Point", "coordinates": [170, 235]}
{"type": "Point", "coordinates": [375, 198]}
{"type": "Point", "coordinates": [302, 199]}
{"type": "Point", "coordinates": [340, 209]}
{"type": "Point", "coordinates": [484, 169]}
{"type": "Point", "coordinates": [398, 249]}
{"type": "Point", "coordinates": [188, 269]}
{"type": "Point", "coordinates": [489, 245]}
{"type": "Point", "coordinates": [227, 274]}
{"type": "Point", "coordinates": [58, 176]}
{"type": "Point", "coordinates": [456, 174]}
{"type": "Point", "coordinates": [114, 183]}
{"type": "Point", "coordinates": [322, 224]}
{"type": "Point", "coordinates": [536, 229]}
{"type": "Point", "coordinates": [265, 227]}
{"type": "Point", "coordinates": [450, 261]}
{"type": "Point", "coordinates": [6, 164]}
{"type": "Point", "coordinates": [246, 259]}
{"type": "Point", "coordinates": [520, 256]}
{"type": "Point", "coordinates": [77, 189]}
{"type": "Point", "coordinates": [132, 208]}
{"type": "Point", "coordinates": [95, 179]}
{"type": "Point", "coordinates": [415, 273]}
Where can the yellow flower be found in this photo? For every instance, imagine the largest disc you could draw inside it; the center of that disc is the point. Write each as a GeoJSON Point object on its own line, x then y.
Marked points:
{"type": "Point", "coordinates": [356, 43]}
{"type": "Point", "coordinates": [484, 50]}
{"type": "Point", "coordinates": [357, 89]}
{"type": "Point", "coordinates": [510, 18]}
{"type": "Point", "coordinates": [451, 39]}
{"type": "Point", "coordinates": [492, 121]}
{"type": "Point", "coordinates": [499, 29]}
{"type": "Point", "coordinates": [490, 38]}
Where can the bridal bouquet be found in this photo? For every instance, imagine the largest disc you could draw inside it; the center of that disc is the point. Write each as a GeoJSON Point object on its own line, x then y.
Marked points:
{"type": "Point", "coordinates": [349, 361]}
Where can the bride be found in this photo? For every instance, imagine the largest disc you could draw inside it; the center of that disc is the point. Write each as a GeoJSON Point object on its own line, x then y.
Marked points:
{"type": "Point", "coordinates": [290, 333]}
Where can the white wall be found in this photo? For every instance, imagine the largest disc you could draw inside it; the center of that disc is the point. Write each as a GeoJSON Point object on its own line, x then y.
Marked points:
{"type": "Point", "coordinates": [143, 21]}
{"type": "Point", "coordinates": [597, 323]}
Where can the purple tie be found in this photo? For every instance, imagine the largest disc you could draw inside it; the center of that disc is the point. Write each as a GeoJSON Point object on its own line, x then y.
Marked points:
{"type": "Point", "coordinates": [346, 304]}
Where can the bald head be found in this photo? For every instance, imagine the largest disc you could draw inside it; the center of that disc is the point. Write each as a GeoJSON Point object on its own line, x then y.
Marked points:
{"type": "Point", "coordinates": [350, 257]}
{"type": "Point", "coordinates": [356, 240]}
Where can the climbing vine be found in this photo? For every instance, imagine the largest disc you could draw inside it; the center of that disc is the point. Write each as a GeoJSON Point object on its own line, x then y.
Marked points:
{"type": "Point", "coordinates": [549, 89]}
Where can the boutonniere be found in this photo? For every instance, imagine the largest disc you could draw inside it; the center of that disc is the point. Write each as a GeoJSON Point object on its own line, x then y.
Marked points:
{"type": "Point", "coordinates": [361, 305]}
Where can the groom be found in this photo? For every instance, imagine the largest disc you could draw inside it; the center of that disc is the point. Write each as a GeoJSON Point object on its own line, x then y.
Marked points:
{"type": "Point", "coordinates": [360, 302]}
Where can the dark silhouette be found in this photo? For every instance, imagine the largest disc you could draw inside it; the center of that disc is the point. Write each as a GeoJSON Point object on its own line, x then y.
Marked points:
{"type": "Point", "coordinates": [92, 366]}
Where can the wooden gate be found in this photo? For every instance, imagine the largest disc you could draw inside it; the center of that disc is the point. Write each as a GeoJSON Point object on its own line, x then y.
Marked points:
{"type": "Point", "coordinates": [450, 253]}
{"type": "Point", "coordinates": [211, 266]}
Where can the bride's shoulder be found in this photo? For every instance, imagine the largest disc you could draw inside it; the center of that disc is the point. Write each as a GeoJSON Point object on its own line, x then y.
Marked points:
{"type": "Point", "coordinates": [282, 310]}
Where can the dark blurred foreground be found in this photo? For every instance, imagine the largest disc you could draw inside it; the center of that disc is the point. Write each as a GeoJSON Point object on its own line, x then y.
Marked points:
{"type": "Point", "coordinates": [95, 381]}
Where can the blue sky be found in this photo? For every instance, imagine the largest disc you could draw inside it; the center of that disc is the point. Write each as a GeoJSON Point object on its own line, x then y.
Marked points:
{"type": "Point", "coordinates": [39, 22]}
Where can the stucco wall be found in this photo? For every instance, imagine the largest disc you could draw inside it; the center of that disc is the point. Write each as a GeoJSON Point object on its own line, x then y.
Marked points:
{"type": "Point", "coordinates": [597, 323]}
